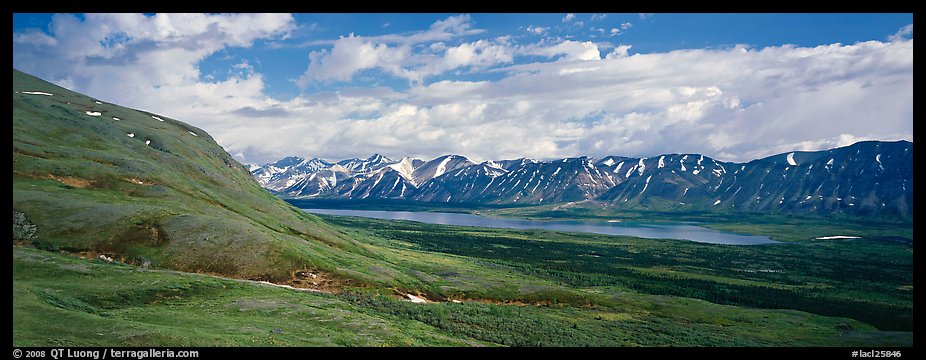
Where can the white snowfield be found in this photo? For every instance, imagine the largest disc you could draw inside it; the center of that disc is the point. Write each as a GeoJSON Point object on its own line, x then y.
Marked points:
{"type": "Point", "coordinates": [192, 133]}
{"type": "Point", "coordinates": [834, 237]}
{"type": "Point", "coordinates": [716, 202]}
{"type": "Point", "coordinates": [405, 169]}
{"type": "Point", "coordinates": [131, 135]}
{"type": "Point", "coordinates": [791, 159]}
{"type": "Point", "coordinates": [647, 184]}
{"type": "Point", "coordinates": [442, 166]}
{"type": "Point", "coordinates": [93, 113]}
{"type": "Point", "coordinates": [618, 168]}
{"type": "Point", "coordinates": [37, 93]}
{"type": "Point", "coordinates": [415, 299]}
{"type": "Point", "coordinates": [156, 118]}
{"type": "Point", "coordinates": [117, 119]}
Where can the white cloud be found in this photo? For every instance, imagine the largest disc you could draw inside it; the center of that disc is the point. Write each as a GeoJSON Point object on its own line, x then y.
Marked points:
{"type": "Point", "coordinates": [737, 103]}
{"type": "Point", "coordinates": [597, 17]}
{"type": "Point", "coordinates": [626, 25]}
{"type": "Point", "coordinates": [569, 17]}
{"type": "Point", "coordinates": [441, 30]}
{"type": "Point", "coordinates": [353, 54]}
{"type": "Point", "coordinates": [479, 53]}
{"type": "Point", "coordinates": [135, 58]}
{"type": "Point", "coordinates": [620, 51]}
{"type": "Point", "coordinates": [573, 50]}
{"type": "Point", "coordinates": [350, 55]}
{"type": "Point", "coordinates": [536, 30]}
{"type": "Point", "coordinates": [734, 104]}
{"type": "Point", "coordinates": [905, 32]}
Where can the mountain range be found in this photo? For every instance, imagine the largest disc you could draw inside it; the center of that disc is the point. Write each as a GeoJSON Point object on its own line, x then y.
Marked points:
{"type": "Point", "coordinates": [865, 178]}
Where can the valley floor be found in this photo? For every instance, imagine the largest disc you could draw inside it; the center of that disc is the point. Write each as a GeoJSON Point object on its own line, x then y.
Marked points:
{"type": "Point", "coordinates": [491, 287]}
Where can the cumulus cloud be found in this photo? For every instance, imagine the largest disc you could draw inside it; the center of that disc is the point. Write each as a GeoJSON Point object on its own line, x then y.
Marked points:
{"type": "Point", "coordinates": [619, 51]}
{"type": "Point", "coordinates": [350, 55]}
{"type": "Point", "coordinates": [572, 50]}
{"type": "Point", "coordinates": [353, 54]}
{"type": "Point", "coordinates": [569, 17]}
{"type": "Point", "coordinates": [737, 104]}
{"type": "Point", "coordinates": [137, 59]}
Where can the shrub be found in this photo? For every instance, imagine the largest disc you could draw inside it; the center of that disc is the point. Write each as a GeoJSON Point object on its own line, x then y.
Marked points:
{"type": "Point", "coordinates": [23, 229]}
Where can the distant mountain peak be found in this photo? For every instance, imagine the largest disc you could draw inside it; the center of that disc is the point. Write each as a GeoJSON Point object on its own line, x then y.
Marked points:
{"type": "Point", "coordinates": [863, 178]}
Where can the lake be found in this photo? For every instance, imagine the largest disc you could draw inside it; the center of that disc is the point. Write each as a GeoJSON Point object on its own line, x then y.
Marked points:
{"type": "Point", "coordinates": [637, 229]}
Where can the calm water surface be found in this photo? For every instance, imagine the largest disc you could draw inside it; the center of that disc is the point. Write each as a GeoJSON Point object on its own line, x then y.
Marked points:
{"type": "Point", "coordinates": [643, 230]}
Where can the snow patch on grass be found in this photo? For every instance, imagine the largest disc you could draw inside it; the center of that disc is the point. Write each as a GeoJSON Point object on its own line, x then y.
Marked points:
{"type": "Point", "coordinates": [835, 237]}
{"type": "Point", "coordinates": [37, 93]}
{"type": "Point", "coordinates": [415, 299]}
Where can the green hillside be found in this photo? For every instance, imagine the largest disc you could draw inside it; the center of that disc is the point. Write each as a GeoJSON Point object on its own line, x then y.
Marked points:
{"type": "Point", "coordinates": [159, 193]}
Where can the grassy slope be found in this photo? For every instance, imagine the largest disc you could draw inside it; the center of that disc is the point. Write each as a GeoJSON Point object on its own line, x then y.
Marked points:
{"type": "Point", "coordinates": [180, 203]}
{"type": "Point", "coordinates": [66, 301]}
{"type": "Point", "coordinates": [61, 300]}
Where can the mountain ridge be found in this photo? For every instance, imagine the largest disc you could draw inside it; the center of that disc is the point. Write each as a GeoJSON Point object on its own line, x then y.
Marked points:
{"type": "Point", "coordinates": [667, 181]}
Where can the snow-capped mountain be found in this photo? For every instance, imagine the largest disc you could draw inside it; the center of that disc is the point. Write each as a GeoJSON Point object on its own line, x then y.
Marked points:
{"type": "Point", "coordinates": [866, 178]}
{"type": "Point", "coordinates": [288, 172]}
{"type": "Point", "coordinates": [371, 163]}
{"type": "Point", "coordinates": [439, 166]}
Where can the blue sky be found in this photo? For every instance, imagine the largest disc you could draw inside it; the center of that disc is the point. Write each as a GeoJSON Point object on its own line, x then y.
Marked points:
{"type": "Point", "coordinates": [492, 86]}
